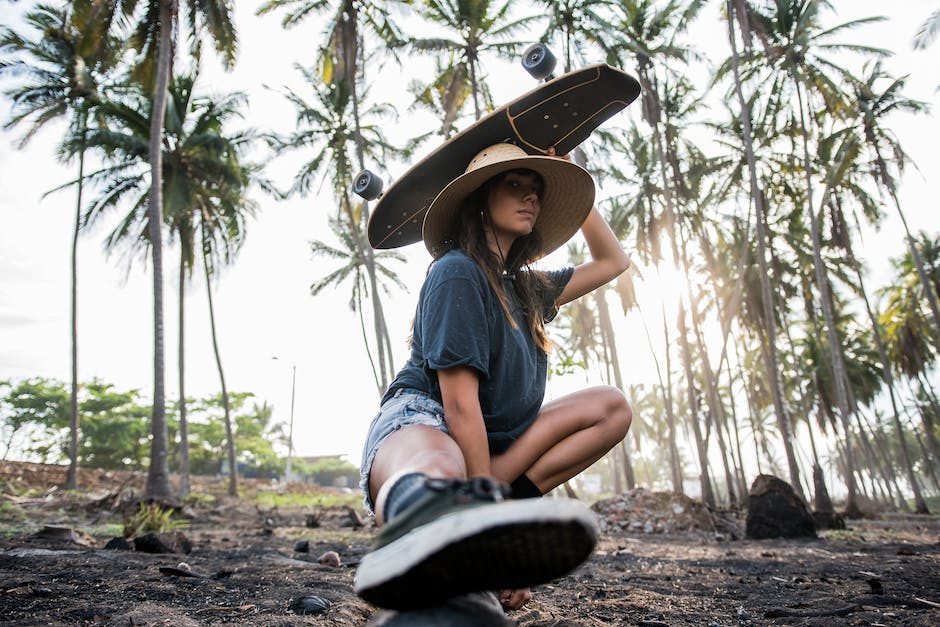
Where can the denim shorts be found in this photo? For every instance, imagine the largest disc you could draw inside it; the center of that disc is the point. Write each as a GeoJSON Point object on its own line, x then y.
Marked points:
{"type": "Point", "coordinates": [405, 409]}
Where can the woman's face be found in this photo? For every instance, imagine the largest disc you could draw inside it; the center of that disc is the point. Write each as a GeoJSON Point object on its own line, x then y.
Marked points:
{"type": "Point", "coordinates": [514, 202]}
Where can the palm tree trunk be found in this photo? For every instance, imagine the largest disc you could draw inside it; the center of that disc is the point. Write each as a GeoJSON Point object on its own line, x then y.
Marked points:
{"type": "Point", "coordinates": [825, 297]}
{"type": "Point", "coordinates": [928, 415]}
{"type": "Point", "coordinates": [874, 463]}
{"type": "Point", "coordinates": [158, 475]}
{"type": "Point", "coordinates": [885, 460]}
{"type": "Point", "coordinates": [71, 478]}
{"type": "Point", "coordinates": [925, 452]}
{"type": "Point", "coordinates": [716, 409]}
{"type": "Point", "coordinates": [349, 33]}
{"type": "Point", "coordinates": [474, 88]}
{"type": "Point", "coordinates": [610, 342]}
{"type": "Point", "coordinates": [708, 494]}
{"type": "Point", "coordinates": [675, 462]}
{"type": "Point", "coordinates": [920, 505]}
{"type": "Point", "coordinates": [929, 291]}
{"type": "Point", "coordinates": [229, 432]}
{"type": "Point", "coordinates": [822, 501]}
{"type": "Point", "coordinates": [183, 489]}
{"type": "Point", "coordinates": [742, 477]}
{"type": "Point", "coordinates": [752, 407]}
{"type": "Point", "coordinates": [767, 294]}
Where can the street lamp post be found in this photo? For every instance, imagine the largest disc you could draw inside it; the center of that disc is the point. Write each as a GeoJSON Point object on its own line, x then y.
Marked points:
{"type": "Point", "coordinates": [290, 431]}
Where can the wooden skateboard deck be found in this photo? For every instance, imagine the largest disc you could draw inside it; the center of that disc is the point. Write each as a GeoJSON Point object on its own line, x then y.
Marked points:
{"type": "Point", "coordinates": [562, 113]}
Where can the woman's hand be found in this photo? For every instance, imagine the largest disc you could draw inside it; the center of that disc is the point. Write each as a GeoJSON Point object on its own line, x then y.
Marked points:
{"type": "Point", "coordinates": [551, 153]}
{"type": "Point", "coordinates": [514, 599]}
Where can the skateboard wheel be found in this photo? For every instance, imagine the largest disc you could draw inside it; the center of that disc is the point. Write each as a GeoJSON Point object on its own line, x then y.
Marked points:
{"type": "Point", "coordinates": [539, 61]}
{"type": "Point", "coordinates": [367, 185]}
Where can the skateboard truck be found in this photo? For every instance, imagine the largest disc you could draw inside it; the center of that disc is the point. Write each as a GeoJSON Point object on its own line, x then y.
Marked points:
{"type": "Point", "coordinates": [539, 61]}
{"type": "Point", "coordinates": [367, 185]}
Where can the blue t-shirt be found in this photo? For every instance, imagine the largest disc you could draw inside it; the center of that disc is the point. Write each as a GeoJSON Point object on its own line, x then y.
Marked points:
{"type": "Point", "coordinates": [460, 322]}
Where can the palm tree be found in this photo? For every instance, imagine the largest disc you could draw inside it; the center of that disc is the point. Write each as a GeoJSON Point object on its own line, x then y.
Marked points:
{"type": "Point", "coordinates": [342, 61]}
{"type": "Point", "coordinates": [205, 183]}
{"type": "Point", "coordinates": [154, 38]}
{"type": "Point", "coordinates": [324, 126]}
{"type": "Point", "coordinates": [352, 269]}
{"type": "Point", "coordinates": [636, 209]}
{"type": "Point", "coordinates": [66, 60]}
{"type": "Point", "coordinates": [794, 41]}
{"type": "Point", "coordinates": [577, 22]}
{"type": "Point", "coordinates": [850, 188]}
{"type": "Point", "coordinates": [871, 106]}
{"type": "Point", "coordinates": [909, 339]}
{"type": "Point", "coordinates": [467, 32]}
{"type": "Point", "coordinates": [737, 11]}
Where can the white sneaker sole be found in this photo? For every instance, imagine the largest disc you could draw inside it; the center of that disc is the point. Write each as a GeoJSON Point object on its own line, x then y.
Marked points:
{"type": "Point", "coordinates": [512, 544]}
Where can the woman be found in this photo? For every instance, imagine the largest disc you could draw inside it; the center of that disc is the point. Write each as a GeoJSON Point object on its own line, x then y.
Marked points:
{"type": "Point", "coordinates": [464, 417]}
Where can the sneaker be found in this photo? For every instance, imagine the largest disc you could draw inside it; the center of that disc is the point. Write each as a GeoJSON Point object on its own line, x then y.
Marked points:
{"type": "Point", "coordinates": [462, 536]}
{"type": "Point", "coordinates": [475, 609]}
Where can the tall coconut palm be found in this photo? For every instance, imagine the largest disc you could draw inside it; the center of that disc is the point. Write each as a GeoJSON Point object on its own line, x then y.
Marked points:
{"type": "Point", "coordinates": [794, 46]}
{"type": "Point", "coordinates": [849, 188]}
{"type": "Point", "coordinates": [871, 104]}
{"type": "Point", "coordinates": [636, 209]}
{"type": "Point", "coordinates": [66, 60]}
{"type": "Point", "coordinates": [205, 182]}
{"type": "Point", "coordinates": [737, 12]}
{"type": "Point", "coordinates": [342, 62]}
{"type": "Point", "coordinates": [352, 269]}
{"type": "Point", "coordinates": [909, 338]}
{"type": "Point", "coordinates": [326, 128]}
{"type": "Point", "coordinates": [154, 36]}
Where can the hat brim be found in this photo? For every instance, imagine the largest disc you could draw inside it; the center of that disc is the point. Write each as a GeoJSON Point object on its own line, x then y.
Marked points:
{"type": "Point", "coordinates": [565, 203]}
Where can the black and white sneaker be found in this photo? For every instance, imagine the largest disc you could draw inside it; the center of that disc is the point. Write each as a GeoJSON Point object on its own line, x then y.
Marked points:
{"type": "Point", "coordinates": [462, 536]}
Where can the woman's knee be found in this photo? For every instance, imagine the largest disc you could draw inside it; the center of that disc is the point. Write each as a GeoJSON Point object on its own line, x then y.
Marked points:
{"type": "Point", "coordinates": [618, 415]}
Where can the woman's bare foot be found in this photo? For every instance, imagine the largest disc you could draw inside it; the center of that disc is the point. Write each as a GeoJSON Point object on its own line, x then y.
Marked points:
{"type": "Point", "coordinates": [514, 599]}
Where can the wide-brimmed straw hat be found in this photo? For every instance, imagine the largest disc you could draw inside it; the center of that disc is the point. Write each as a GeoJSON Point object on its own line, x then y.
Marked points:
{"type": "Point", "coordinates": [565, 203]}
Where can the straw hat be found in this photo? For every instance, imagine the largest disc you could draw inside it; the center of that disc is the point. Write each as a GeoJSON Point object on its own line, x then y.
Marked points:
{"type": "Point", "coordinates": [566, 200]}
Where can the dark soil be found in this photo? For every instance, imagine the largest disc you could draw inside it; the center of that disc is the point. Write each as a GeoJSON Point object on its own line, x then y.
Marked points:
{"type": "Point", "coordinates": [883, 571]}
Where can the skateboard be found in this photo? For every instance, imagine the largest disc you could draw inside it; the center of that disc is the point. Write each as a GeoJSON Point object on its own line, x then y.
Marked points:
{"type": "Point", "coordinates": [561, 113]}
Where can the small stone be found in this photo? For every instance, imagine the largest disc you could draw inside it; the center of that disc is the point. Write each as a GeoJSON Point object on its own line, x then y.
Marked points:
{"type": "Point", "coordinates": [330, 558]}
{"type": "Point", "coordinates": [309, 605]}
{"type": "Point", "coordinates": [118, 544]}
{"type": "Point", "coordinates": [302, 546]}
{"type": "Point", "coordinates": [172, 542]}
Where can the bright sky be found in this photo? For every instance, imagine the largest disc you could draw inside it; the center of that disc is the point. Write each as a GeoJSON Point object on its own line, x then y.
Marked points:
{"type": "Point", "coordinates": [263, 306]}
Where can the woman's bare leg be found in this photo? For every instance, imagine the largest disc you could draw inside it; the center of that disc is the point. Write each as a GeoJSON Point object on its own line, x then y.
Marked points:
{"type": "Point", "coordinates": [417, 448]}
{"type": "Point", "coordinates": [569, 434]}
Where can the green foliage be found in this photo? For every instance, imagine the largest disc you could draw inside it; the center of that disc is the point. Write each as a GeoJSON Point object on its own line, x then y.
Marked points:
{"type": "Point", "coordinates": [270, 499]}
{"type": "Point", "coordinates": [255, 436]}
{"type": "Point", "coordinates": [11, 513]}
{"type": "Point", "coordinates": [329, 471]}
{"type": "Point", "coordinates": [36, 410]}
{"type": "Point", "coordinates": [115, 428]}
{"type": "Point", "coordinates": [152, 518]}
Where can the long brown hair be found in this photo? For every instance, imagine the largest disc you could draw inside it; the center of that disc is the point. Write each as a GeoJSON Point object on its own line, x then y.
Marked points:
{"type": "Point", "coordinates": [469, 235]}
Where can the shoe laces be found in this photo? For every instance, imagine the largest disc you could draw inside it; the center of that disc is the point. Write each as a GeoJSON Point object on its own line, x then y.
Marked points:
{"type": "Point", "coordinates": [477, 488]}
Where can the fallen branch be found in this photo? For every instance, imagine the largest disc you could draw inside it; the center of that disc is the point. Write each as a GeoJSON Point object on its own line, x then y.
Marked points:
{"type": "Point", "coordinates": [927, 603]}
{"type": "Point", "coordinates": [783, 612]}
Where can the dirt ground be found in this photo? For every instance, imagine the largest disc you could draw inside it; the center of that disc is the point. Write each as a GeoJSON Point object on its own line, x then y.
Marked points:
{"type": "Point", "coordinates": [243, 568]}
